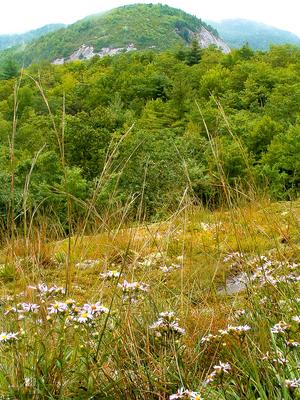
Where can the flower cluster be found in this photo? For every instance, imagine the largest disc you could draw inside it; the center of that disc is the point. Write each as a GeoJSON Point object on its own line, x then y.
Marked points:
{"type": "Point", "coordinates": [234, 331]}
{"type": "Point", "coordinates": [82, 314]}
{"type": "Point", "coordinates": [109, 275]}
{"type": "Point", "coordinates": [167, 325]}
{"type": "Point", "coordinates": [184, 394]}
{"type": "Point", "coordinates": [44, 291]}
{"type": "Point", "coordinates": [133, 291]}
{"type": "Point", "coordinates": [170, 268]}
{"type": "Point", "coordinates": [281, 327]}
{"type": "Point", "coordinates": [152, 259]}
{"type": "Point", "coordinates": [218, 372]}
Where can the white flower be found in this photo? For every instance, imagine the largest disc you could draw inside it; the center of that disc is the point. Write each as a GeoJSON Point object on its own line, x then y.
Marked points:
{"type": "Point", "coordinates": [167, 325]}
{"type": "Point", "coordinates": [292, 384]}
{"type": "Point", "coordinates": [281, 327]}
{"type": "Point", "coordinates": [222, 368]}
{"type": "Point", "coordinates": [292, 344]}
{"type": "Point", "coordinates": [296, 319]}
{"type": "Point", "coordinates": [110, 274]}
{"type": "Point", "coordinates": [58, 307]}
{"type": "Point", "coordinates": [95, 309]}
{"type": "Point", "coordinates": [185, 395]}
{"type": "Point", "coordinates": [239, 330]}
{"type": "Point", "coordinates": [84, 316]}
{"type": "Point", "coordinates": [8, 337]}
{"type": "Point", "coordinates": [29, 307]}
{"type": "Point", "coordinates": [133, 290]}
{"type": "Point", "coordinates": [208, 338]}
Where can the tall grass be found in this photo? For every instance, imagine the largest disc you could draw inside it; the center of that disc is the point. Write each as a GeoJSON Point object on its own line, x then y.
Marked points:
{"type": "Point", "coordinates": [146, 311]}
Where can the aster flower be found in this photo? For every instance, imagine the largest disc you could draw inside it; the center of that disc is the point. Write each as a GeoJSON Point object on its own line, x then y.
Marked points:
{"type": "Point", "coordinates": [184, 394]}
{"type": "Point", "coordinates": [95, 308]}
{"type": "Point", "coordinates": [9, 337]}
{"type": "Point", "coordinates": [114, 274]}
{"type": "Point", "coordinates": [280, 328]}
{"type": "Point", "coordinates": [29, 307]}
{"type": "Point", "coordinates": [132, 291]}
{"type": "Point", "coordinates": [292, 384]}
{"type": "Point", "coordinates": [167, 325]}
{"type": "Point", "coordinates": [58, 308]}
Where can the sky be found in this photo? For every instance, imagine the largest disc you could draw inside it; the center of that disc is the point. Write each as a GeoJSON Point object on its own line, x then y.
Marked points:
{"type": "Point", "coordinates": [23, 15]}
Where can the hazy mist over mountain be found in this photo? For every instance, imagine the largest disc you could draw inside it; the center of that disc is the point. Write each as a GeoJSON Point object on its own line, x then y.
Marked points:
{"type": "Point", "coordinates": [237, 32]}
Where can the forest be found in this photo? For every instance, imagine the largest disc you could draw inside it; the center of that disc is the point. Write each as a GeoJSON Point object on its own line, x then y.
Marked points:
{"type": "Point", "coordinates": [152, 126]}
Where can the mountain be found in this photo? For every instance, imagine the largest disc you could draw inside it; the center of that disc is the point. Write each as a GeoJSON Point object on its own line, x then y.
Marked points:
{"type": "Point", "coordinates": [237, 32]}
{"type": "Point", "coordinates": [139, 26]}
{"type": "Point", "coordinates": [7, 41]}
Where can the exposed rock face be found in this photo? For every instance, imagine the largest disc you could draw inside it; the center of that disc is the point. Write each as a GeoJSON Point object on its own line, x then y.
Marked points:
{"type": "Point", "coordinates": [86, 52]}
{"type": "Point", "coordinates": [206, 39]}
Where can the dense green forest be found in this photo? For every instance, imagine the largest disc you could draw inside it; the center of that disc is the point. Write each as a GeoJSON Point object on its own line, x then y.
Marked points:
{"type": "Point", "coordinates": [237, 32]}
{"type": "Point", "coordinates": [145, 128]}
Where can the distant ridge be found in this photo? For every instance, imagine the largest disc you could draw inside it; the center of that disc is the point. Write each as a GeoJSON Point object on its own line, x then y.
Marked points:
{"type": "Point", "coordinates": [7, 41]}
{"type": "Point", "coordinates": [237, 32]}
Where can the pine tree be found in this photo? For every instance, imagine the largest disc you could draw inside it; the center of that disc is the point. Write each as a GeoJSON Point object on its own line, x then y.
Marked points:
{"type": "Point", "coordinates": [194, 55]}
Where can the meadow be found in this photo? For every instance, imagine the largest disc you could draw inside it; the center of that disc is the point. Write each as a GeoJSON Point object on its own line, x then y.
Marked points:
{"type": "Point", "coordinates": [148, 311]}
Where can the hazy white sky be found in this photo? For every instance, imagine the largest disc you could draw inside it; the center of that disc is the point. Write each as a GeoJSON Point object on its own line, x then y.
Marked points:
{"type": "Point", "coordinates": [24, 15]}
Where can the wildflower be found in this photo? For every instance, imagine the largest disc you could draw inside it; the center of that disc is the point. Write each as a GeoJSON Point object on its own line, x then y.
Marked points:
{"type": "Point", "coordinates": [8, 337]}
{"type": "Point", "coordinates": [292, 384]}
{"type": "Point", "coordinates": [208, 338]}
{"type": "Point", "coordinates": [58, 307]}
{"type": "Point", "coordinates": [170, 268]}
{"type": "Point", "coordinates": [95, 309]}
{"type": "Point", "coordinates": [239, 330]}
{"type": "Point", "coordinates": [233, 256]}
{"type": "Point", "coordinates": [239, 313]}
{"type": "Point", "coordinates": [219, 371]}
{"type": "Point", "coordinates": [296, 319]}
{"type": "Point", "coordinates": [222, 368]}
{"type": "Point", "coordinates": [185, 395]}
{"type": "Point", "coordinates": [110, 275]}
{"type": "Point", "coordinates": [10, 310]}
{"type": "Point", "coordinates": [43, 290]}
{"type": "Point", "coordinates": [132, 291]}
{"type": "Point", "coordinates": [292, 344]}
{"type": "Point", "coordinates": [280, 360]}
{"type": "Point", "coordinates": [29, 307]}
{"type": "Point", "coordinates": [167, 325]}
{"type": "Point", "coordinates": [281, 327]}
{"type": "Point", "coordinates": [84, 316]}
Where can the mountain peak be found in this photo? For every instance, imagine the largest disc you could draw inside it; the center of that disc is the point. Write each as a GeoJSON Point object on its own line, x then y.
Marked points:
{"type": "Point", "coordinates": [126, 28]}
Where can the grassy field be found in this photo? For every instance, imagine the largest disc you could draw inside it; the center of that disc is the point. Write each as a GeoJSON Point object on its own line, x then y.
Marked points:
{"type": "Point", "coordinates": [150, 312]}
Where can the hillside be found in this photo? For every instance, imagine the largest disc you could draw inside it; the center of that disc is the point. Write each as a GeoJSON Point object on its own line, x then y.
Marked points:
{"type": "Point", "coordinates": [142, 26]}
{"type": "Point", "coordinates": [7, 41]}
{"type": "Point", "coordinates": [237, 32]}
